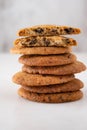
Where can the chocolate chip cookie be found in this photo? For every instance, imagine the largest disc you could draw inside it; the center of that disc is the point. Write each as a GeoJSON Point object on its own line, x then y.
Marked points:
{"type": "Point", "coordinates": [26, 79]}
{"type": "Point", "coordinates": [48, 30]}
{"type": "Point", "coordinates": [72, 68]}
{"type": "Point", "coordinates": [45, 41]}
{"type": "Point", "coordinates": [70, 86]}
{"type": "Point", "coordinates": [49, 60]}
{"type": "Point", "coordinates": [40, 50]}
{"type": "Point", "coordinates": [51, 98]}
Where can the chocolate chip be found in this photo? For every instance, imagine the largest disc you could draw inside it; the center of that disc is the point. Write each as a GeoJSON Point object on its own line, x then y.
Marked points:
{"type": "Point", "coordinates": [46, 42]}
{"type": "Point", "coordinates": [39, 30]}
{"type": "Point", "coordinates": [68, 30]}
{"type": "Point", "coordinates": [23, 44]}
{"type": "Point", "coordinates": [33, 41]}
{"type": "Point", "coordinates": [67, 41]}
{"type": "Point", "coordinates": [54, 31]}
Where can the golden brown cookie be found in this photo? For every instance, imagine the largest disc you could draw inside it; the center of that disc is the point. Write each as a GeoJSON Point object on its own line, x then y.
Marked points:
{"type": "Point", "coordinates": [70, 86]}
{"type": "Point", "coordinates": [48, 30]}
{"type": "Point", "coordinates": [72, 68]}
{"type": "Point", "coordinates": [40, 50]}
{"type": "Point", "coordinates": [50, 60]}
{"type": "Point", "coordinates": [26, 79]}
{"type": "Point", "coordinates": [51, 98]}
{"type": "Point", "coordinates": [45, 41]}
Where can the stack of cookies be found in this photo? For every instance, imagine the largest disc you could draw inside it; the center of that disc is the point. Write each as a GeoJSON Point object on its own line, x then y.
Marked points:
{"type": "Point", "coordinates": [49, 67]}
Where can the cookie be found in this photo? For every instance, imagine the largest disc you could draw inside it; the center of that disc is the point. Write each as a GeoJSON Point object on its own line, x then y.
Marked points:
{"type": "Point", "coordinates": [50, 98]}
{"type": "Point", "coordinates": [50, 60]}
{"type": "Point", "coordinates": [71, 86]}
{"type": "Point", "coordinates": [26, 79]}
{"type": "Point", "coordinates": [40, 50]}
{"type": "Point", "coordinates": [48, 30]}
{"type": "Point", "coordinates": [72, 68]}
{"type": "Point", "coordinates": [45, 41]}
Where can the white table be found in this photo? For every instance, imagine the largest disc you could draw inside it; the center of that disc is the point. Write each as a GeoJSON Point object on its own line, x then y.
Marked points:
{"type": "Point", "coordinates": [17, 113]}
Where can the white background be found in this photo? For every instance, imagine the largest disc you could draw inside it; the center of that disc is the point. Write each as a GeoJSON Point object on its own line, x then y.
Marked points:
{"type": "Point", "coordinates": [17, 113]}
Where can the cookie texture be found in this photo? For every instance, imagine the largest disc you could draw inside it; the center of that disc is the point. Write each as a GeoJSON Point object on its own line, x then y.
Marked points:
{"type": "Point", "coordinates": [70, 86]}
{"type": "Point", "coordinates": [48, 30]}
{"type": "Point", "coordinates": [26, 79]}
{"type": "Point", "coordinates": [45, 41]}
{"type": "Point", "coordinates": [51, 98]}
{"type": "Point", "coordinates": [40, 50]}
{"type": "Point", "coordinates": [72, 68]}
{"type": "Point", "coordinates": [50, 60]}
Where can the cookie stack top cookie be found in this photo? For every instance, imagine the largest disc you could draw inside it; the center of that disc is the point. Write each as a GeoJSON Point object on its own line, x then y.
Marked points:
{"type": "Point", "coordinates": [48, 30]}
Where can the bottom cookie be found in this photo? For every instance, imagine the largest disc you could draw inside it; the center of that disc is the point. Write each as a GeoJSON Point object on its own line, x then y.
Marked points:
{"type": "Point", "coordinates": [51, 98]}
